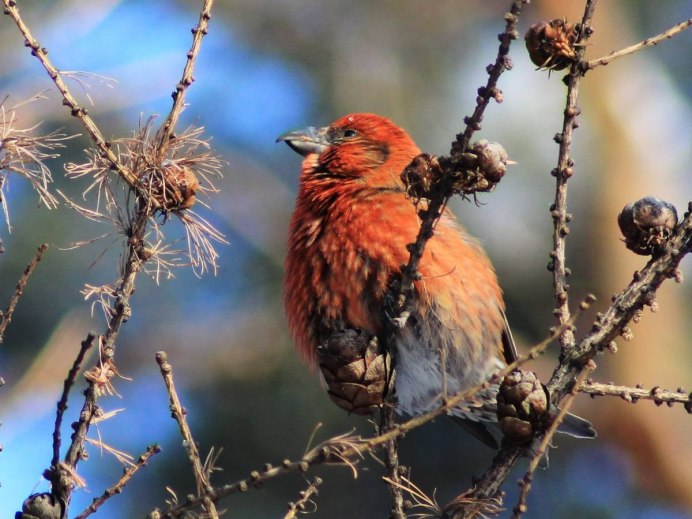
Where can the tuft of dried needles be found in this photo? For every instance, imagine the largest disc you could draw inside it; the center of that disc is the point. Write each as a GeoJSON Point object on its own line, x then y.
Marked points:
{"type": "Point", "coordinates": [23, 151]}
{"type": "Point", "coordinates": [168, 184]}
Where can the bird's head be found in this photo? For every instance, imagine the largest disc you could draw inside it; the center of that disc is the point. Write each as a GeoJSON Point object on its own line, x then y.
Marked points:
{"type": "Point", "coordinates": [367, 148]}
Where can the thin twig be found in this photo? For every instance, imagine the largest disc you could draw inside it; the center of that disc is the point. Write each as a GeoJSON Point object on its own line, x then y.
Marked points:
{"type": "Point", "coordinates": [67, 386]}
{"type": "Point", "coordinates": [490, 91]}
{"type": "Point", "coordinates": [124, 480]}
{"type": "Point", "coordinates": [655, 40]}
{"type": "Point", "coordinates": [179, 414]}
{"type": "Point", "coordinates": [540, 450]}
{"type": "Point", "coordinates": [179, 93]}
{"type": "Point", "coordinates": [391, 459]}
{"type": "Point", "coordinates": [562, 173]}
{"type": "Point", "coordinates": [634, 394]}
{"type": "Point", "coordinates": [6, 316]}
{"type": "Point", "coordinates": [306, 496]}
{"type": "Point", "coordinates": [69, 100]}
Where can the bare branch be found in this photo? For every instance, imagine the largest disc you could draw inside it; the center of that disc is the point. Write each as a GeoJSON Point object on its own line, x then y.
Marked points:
{"type": "Point", "coordinates": [63, 475]}
{"type": "Point", "coordinates": [306, 496]}
{"type": "Point", "coordinates": [562, 173]}
{"type": "Point", "coordinates": [490, 483]}
{"type": "Point", "coordinates": [179, 414]}
{"type": "Point", "coordinates": [6, 316]}
{"type": "Point", "coordinates": [399, 296]}
{"type": "Point", "coordinates": [634, 394]}
{"type": "Point", "coordinates": [67, 386]}
{"type": "Point", "coordinates": [179, 93]}
{"type": "Point", "coordinates": [391, 459]}
{"type": "Point", "coordinates": [117, 488]}
{"type": "Point", "coordinates": [655, 40]}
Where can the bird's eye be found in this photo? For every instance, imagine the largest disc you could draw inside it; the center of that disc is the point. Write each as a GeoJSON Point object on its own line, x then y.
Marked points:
{"type": "Point", "coordinates": [350, 133]}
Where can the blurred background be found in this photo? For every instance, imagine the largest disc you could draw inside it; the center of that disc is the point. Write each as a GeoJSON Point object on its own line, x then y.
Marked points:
{"type": "Point", "coordinates": [268, 66]}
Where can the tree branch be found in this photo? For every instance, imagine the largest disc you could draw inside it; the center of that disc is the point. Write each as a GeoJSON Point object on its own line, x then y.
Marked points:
{"type": "Point", "coordinates": [347, 450]}
{"type": "Point", "coordinates": [633, 394]}
{"type": "Point", "coordinates": [632, 299]}
{"type": "Point", "coordinates": [6, 316]}
{"type": "Point", "coordinates": [187, 79]}
{"type": "Point", "coordinates": [540, 451]}
{"type": "Point", "coordinates": [655, 40]}
{"type": "Point", "coordinates": [117, 488]}
{"type": "Point", "coordinates": [69, 100]}
{"type": "Point", "coordinates": [306, 496]}
{"type": "Point", "coordinates": [67, 386]}
{"type": "Point", "coordinates": [179, 415]}
{"type": "Point", "coordinates": [562, 173]}
{"type": "Point", "coordinates": [391, 459]}
{"type": "Point", "coordinates": [400, 294]}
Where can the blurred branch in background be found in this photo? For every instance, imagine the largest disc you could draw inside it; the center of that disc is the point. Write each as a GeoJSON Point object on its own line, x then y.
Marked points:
{"type": "Point", "coordinates": [6, 316]}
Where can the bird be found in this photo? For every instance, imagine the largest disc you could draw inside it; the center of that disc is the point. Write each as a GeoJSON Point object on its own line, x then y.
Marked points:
{"type": "Point", "coordinates": [348, 239]}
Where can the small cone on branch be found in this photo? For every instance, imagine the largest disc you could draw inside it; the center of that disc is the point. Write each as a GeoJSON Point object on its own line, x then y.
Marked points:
{"type": "Point", "coordinates": [551, 44]}
{"type": "Point", "coordinates": [356, 370]}
{"type": "Point", "coordinates": [479, 169]}
{"type": "Point", "coordinates": [172, 186]}
{"type": "Point", "coordinates": [647, 224]}
{"type": "Point", "coordinates": [522, 406]}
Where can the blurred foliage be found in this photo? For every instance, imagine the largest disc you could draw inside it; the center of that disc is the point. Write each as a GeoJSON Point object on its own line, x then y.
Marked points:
{"type": "Point", "coordinates": [268, 66]}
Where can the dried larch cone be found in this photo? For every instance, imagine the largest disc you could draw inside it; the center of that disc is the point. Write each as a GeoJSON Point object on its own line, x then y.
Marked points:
{"type": "Point", "coordinates": [551, 44]}
{"type": "Point", "coordinates": [647, 224]}
{"type": "Point", "coordinates": [478, 169]}
{"type": "Point", "coordinates": [491, 160]}
{"type": "Point", "coordinates": [421, 176]}
{"type": "Point", "coordinates": [356, 370]}
{"type": "Point", "coordinates": [522, 406]}
{"type": "Point", "coordinates": [171, 186]}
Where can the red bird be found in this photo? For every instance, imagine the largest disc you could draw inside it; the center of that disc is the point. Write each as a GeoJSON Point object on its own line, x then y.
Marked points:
{"type": "Point", "coordinates": [347, 240]}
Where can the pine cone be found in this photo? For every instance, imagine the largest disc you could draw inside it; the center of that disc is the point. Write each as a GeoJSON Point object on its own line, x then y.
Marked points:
{"type": "Point", "coordinates": [551, 44]}
{"type": "Point", "coordinates": [422, 176]}
{"type": "Point", "coordinates": [356, 371]}
{"type": "Point", "coordinates": [173, 187]}
{"type": "Point", "coordinates": [647, 224]}
{"type": "Point", "coordinates": [491, 160]}
{"type": "Point", "coordinates": [522, 406]}
{"type": "Point", "coordinates": [478, 169]}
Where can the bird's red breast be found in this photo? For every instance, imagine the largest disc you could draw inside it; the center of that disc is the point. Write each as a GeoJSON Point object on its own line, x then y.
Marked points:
{"type": "Point", "coordinates": [348, 237]}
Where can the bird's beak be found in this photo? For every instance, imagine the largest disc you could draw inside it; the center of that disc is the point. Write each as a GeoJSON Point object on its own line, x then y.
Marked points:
{"type": "Point", "coordinates": [306, 141]}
